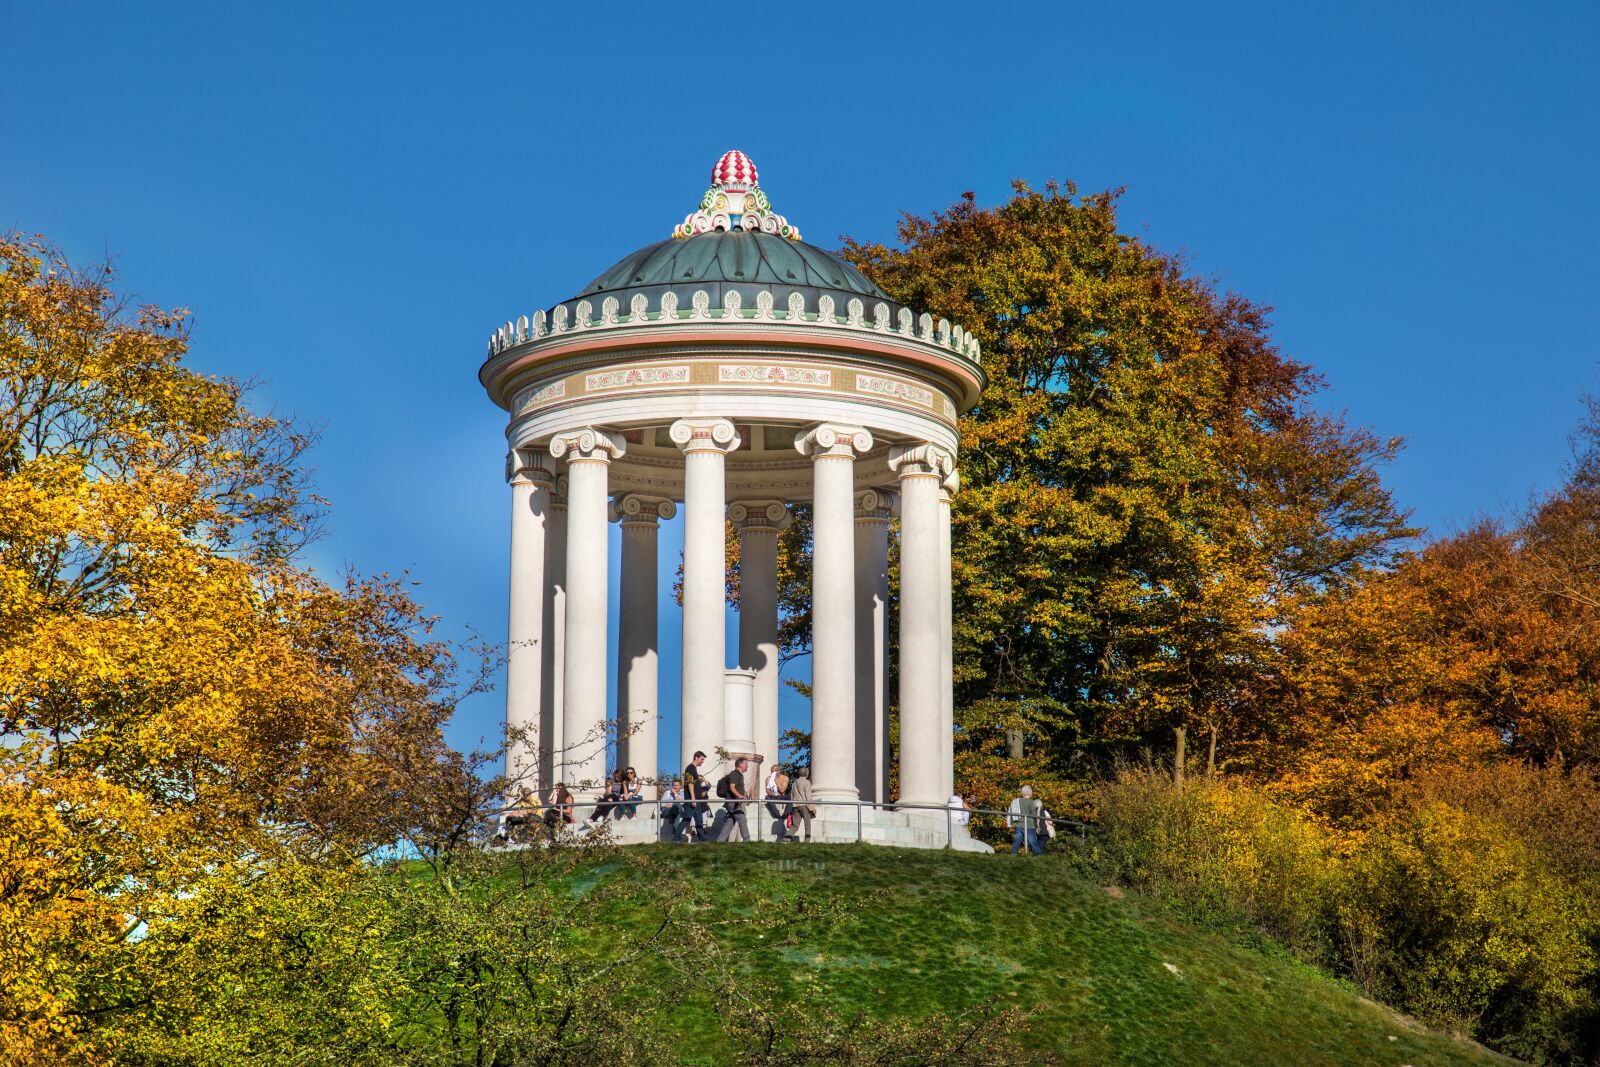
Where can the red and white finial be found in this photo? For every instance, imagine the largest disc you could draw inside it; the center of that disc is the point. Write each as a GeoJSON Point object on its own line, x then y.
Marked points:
{"type": "Point", "coordinates": [734, 168]}
{"type": "Point", "coordinates": [735, 202]}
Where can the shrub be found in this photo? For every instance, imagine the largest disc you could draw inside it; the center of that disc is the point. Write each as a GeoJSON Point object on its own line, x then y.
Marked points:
{"type": "Point", "coordinates": [1222, 852]}
{"type": "Point", "coordinates": [1452, 918]}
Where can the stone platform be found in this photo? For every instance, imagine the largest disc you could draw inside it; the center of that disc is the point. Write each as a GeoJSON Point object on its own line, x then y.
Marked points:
{"type": "Point", "coordinates": [902, 829]}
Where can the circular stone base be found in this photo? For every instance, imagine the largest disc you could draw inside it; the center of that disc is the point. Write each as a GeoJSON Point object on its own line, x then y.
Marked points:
{"type": "Point", "coordinates": [902, 829]}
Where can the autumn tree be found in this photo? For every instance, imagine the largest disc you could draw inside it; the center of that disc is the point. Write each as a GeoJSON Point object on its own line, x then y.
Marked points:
{"type": "Point", "coordinates": [1484, 646]}
{"type": "Point", "coordinates": [1145, 483]}
{"type": "Point", "coordinates": [180, 699]}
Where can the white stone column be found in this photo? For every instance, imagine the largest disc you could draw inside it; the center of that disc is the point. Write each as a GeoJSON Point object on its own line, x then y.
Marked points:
{"type": "Point", "coordinates": [920, 468]}
{"type": "Point", "coordinates": [833, 450]}
{"type": "Point", "coordinates": [526, 636]}
{"type": "Point", "coordinates": [759, 523]}
{"type": "Point", "coordinates": [552, 718]}
{"type": "Point", "coordinates": [588, 452]}
{"type": "Point", "coordinates": [638, 708]}
{"type": "Point", "coordinates": [872, 620]}
{"type": "Point", "coordinates": [705, 443]}
{"type": "Point", "coordinates": [947, 726]}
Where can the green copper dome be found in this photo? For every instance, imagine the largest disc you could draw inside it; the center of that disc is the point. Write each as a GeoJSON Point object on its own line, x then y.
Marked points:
{"type": "Point", "coordinates": [739, 259]}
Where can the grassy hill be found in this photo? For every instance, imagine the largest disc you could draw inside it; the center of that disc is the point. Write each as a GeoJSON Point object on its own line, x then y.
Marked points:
{"type": "Point", "coordinates": [1104, 977]}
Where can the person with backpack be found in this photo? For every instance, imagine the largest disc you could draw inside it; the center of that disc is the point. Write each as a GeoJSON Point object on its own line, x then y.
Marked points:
{"type": "Point", "coordinates": [731, 787]}
{"type": "Point", "coordinates": [1023, 815]}
{"type": "Point", "coordinates": [695, 786]}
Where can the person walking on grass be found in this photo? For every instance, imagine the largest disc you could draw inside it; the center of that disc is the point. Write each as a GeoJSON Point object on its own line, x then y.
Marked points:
{"type": "Point", "coordinates": [800, 800]}
{"type": "Point", "coordinates": [1023, 815]}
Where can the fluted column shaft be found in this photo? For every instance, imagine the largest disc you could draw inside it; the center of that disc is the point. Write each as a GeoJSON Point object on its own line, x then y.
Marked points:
{"type": "Point", "coordinates": [759, 523]}
{"type": "Point", "coordinates": [947, 726]}
{"type": "Point", "coordinates": [920, 468]}
{"type": "Point", "coordinates": [872, 618]}
{"type": "Point", "coordinates": [526, 636]}
{"type": "Point", "coordinates": [704, 442]}
{"type": "Point", "coordinates": [833, 607]}
{"type": "Point", "coordinates": [588, 453]}
{"type": "Point", "coordinates": [638, 708]}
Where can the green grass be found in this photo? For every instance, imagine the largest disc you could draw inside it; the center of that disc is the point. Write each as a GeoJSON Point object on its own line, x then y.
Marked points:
{"type": "Point", "coordinates": [1104, 977]}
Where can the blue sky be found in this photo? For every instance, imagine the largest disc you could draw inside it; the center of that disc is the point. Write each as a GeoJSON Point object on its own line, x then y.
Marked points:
{"type": "Point", "coordinates": [351, 198]}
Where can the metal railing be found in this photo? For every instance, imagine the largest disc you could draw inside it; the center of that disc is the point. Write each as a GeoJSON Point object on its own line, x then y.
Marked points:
{"type": "Point", "coordinates": [541, 828]}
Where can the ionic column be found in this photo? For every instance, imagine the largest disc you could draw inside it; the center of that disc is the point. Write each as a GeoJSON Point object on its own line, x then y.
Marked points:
{"type": "Point", "coordinates": [920, 468]}
{"type": "Point", "coordinates": [588, 453]}
{"type": "Point", "coordinates": [526, 636]}
{"type": "Point", "coordinates": [947, 725]}
{"type": "Point", "coordinates": [553, 608]}
{"type": "Point", "coordinates": [833, 450]}
{"type": "Point", "coordinates": [759, 523]}
{"type": "Point", "coordinates": [705, 443]}
{"type": "Point", "coordinates": [872, 619]}
{"type": "Point", "coordinates": [637, 659]}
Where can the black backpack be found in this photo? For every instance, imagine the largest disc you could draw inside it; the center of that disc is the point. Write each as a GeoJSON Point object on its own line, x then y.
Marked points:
{"type": "Point", "coordinates": [723, 787]}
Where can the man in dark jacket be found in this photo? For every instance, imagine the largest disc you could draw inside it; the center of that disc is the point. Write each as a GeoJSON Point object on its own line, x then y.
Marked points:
{"type": "Point", "coordinates": [734, 785]}
{"type": "Point", "coordinates": [695, 786]}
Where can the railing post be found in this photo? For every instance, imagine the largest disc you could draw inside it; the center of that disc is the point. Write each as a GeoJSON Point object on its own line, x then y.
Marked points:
{"type": "Point", "coordinates": [949, 827]}
{"type": "Point", "coordinates": [858, 822]}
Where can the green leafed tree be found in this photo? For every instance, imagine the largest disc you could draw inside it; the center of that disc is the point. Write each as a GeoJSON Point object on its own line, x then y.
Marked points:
{"type": "Point", "coordinates": [1145, 483]}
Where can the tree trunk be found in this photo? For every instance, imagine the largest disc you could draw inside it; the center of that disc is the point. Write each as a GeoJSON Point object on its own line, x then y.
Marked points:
{"type": "Point", "coordinates": [1182, 755]}
{"type": "Point", "coordinates": [1211, 756]}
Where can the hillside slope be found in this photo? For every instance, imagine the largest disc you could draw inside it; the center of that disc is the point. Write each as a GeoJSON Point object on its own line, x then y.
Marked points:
{"type": "Point", "coordinates": [1105, 978]}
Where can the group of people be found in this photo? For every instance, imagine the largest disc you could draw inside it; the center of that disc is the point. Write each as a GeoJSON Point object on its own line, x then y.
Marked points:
{"type": "Point", "coordinates": [687, 801]}
{"type": "Point", "coordinates": [685, 805]}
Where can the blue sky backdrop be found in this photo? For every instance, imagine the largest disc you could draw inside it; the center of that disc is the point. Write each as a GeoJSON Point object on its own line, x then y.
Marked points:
{"type": "Point", "coordinates": [351, 197]}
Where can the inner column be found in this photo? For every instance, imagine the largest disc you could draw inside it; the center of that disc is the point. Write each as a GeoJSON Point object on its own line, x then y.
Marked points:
{"type": "Point", "coordinates": [833, 609]}
{"type": "Point", "coordinates": [705, 443]}
{"type": "Point", "coordinates": [872, 620]}
{"type": "Point", "coordinates": [759, 523]}
{"type": "Point", "coordinates": [638, 662]}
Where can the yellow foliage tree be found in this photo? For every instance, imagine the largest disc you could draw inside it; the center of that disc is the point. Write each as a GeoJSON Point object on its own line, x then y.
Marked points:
{"type": "Point", "coordinates": [179, 699]}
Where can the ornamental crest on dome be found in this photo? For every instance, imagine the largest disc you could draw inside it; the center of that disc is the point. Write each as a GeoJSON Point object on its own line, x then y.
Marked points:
{"type": "Point", "coordinates": [735, 202]}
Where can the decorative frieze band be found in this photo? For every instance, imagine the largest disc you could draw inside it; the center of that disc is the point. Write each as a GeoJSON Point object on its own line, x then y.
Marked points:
{"type": "Point", "coordinates": [588, 443]}
{"type": "Point", "coordinates": [831, 441]}
{"type": "Point", "coordinates": [916, 394]}
{"type": "Point", "coordinates": [767, 373]}
{"type": "Point", "coordinates": [634, 376]}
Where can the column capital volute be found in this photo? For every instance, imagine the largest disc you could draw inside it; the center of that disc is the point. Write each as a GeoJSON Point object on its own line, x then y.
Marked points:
{"type": "Point", "coordinates": [759, 515]}
{"type": "Point", "coordinates": [830, 440]}
{"type": "Point", "coordinates": [924, 460]}
{"type": "Point", "coordinates": [950, 487]}
{"type": "Point", "coordinates": [704, 435]}
{"type": "Point", "coordinates": [633, 509]}
{"type": "Point", "coordinates": [875, 505]}
{"type": "Point", "coordinates": [588, 443]}
{"type": "Point", "coordinates": [524, 466]}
